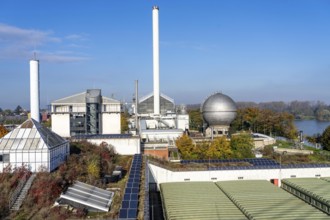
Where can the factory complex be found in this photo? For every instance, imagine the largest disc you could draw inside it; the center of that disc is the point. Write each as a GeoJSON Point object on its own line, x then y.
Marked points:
{"type": "Point", "coordinates": [220, 191]}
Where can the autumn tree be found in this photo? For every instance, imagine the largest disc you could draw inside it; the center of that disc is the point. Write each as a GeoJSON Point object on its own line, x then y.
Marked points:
{"type": "Point", "coordinates": [219, 149]}
{"type": "Point", "coordinates": [265, 121]}
{"type": "Point", "coordinates": [325, 139]}
{"type": "Point", "coordinates": [242, 145]}
{"type": "Point", "coordinates": [3, 131]}
{"type": "Point", "coordinates": [196, 119]}
{"type": "Point", "coordinates": [202, 149]}
{"type": "Point", "coordinates": [124, 122]}
{"type": "Point", "coordinates": [186, 147]}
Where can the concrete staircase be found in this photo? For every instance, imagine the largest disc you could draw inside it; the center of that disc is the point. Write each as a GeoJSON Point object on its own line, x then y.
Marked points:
{"type": "Point", "coordinates": [21, 195]}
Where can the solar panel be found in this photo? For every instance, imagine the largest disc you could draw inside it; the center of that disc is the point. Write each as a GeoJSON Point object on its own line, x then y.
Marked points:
{"type": "Point", "coordinates": [134, 197]}
{"type": "Point", "coordinates": [125, 204]}
{"type": "Point", "coordinates": [123, 213]}
{"type": "Point", "coordinates": [127, 196]}
{"type": "Point", "coordinates": [132, 213]}
{"type": "Point", "coordinates": [133, 204]}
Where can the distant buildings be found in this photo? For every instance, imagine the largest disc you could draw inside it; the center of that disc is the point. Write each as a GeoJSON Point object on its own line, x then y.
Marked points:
{"type": "Point", "coordinates": [86, 113]}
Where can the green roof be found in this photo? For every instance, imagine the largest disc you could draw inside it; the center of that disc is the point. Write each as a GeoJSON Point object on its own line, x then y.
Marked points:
{"type": "Point", "coordinates": [317, 188]}
{"type": "Point", "coordinates": [197, 200]}
{"type": "Point", "coordinates": [259, 199]}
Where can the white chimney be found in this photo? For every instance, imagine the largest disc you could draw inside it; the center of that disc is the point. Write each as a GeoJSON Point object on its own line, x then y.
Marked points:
{"type": "Point", "coordinates": [34, 90]}
{"type": "Point", "coordinates": [155, 46]}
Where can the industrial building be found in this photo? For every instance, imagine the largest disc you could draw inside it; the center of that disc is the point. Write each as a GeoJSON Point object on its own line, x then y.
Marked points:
{"type": "Point", "coordinates": [86, 113]}
{"type": "Point", "coordinates": [33, 145]}
{"type": "Point", "coordinates": [146, 105]}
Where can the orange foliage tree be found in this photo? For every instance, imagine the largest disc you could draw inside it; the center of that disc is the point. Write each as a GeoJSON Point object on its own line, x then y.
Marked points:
{"type": "Point", "coordinates": [3, 131]}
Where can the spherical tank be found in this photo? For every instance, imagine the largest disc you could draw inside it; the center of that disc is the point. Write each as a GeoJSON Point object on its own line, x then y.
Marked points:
{"type": "Point", "coordinates": [219, 109]}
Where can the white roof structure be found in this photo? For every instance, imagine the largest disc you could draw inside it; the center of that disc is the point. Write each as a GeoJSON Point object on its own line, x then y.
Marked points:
{"type": "Point", "coordinates": [88, 196]}
{"type": "Point", "coordinates": [80, 98]}
{"type": "Point", "coordinates": [30, 136]}
{"type": "Point", "coordinates": [33, 145]}
{"type": "Point", "coordinates": [151, 95]}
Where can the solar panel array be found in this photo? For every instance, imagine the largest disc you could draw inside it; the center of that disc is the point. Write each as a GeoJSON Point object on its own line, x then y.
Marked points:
{"type": "Point", "coordinates": [252, 161]}
{"type": "Point", "coordinates": [255, 163]}
{"type": "Point", "coordinates": [129, 205]}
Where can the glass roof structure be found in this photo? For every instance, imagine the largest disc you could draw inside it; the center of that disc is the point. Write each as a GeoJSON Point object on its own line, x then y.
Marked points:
{"type": "Point", "coordinates": [30, 136]}
{"type": "Point", "coordinates": [88, 196]}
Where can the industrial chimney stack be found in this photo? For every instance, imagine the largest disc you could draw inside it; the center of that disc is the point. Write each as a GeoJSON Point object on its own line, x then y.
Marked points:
{"type": "Point", "coordinates": [34, 90]}
{"type": "Point", "coordinates": [155, 46]}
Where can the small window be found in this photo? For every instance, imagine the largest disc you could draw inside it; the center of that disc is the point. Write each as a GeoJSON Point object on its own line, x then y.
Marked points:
{"type": "Point", "coordinates": [186, 179]}
{"type": "Point", "coordinates": [5, 158]}
{"type": "Point", "coordinates": [0, 158]}
{"type": "Point", "coordinates": [293, 176]}
{"type": "Point", "coordinates": [240, 177]}
{"type": "Point", "coordinates": [318, 175]}
{"type": "Point", "coordinates": [214, 178]}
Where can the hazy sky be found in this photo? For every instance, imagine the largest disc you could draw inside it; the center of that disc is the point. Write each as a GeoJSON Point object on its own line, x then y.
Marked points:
{"type": "Point", "coordinates": [250, 50]}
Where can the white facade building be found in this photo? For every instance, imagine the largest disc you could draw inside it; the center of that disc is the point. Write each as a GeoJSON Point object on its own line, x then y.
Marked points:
{"type": "Point", "coordinates": [34, 146]}
{"type": "Point", "coordinates": [86, 113]}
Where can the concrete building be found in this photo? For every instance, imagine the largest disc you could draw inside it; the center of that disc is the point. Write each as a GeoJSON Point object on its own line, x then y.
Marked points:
{"type": "Point", "coordinates": [33, 145]}
{"type": "Point", "coordinates": [86, 113]}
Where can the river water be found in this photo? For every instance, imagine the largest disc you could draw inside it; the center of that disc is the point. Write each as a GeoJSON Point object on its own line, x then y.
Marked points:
{"type": "Point", "coordinates": [310, 127]}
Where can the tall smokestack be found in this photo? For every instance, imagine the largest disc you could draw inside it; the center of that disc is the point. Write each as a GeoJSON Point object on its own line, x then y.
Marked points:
{"type": "Point", "coordinates": [155, 46]}
{"type": "Point", "coordinates": [34, 90]}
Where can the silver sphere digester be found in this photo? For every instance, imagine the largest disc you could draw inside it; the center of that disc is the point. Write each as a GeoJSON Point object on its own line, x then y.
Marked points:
{"type": "Point", "coordinates": [219, 109]}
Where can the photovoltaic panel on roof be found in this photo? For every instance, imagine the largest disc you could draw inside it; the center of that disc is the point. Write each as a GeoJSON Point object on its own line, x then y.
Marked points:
{"type": "Point", "coordinates": [127, 196]}
{"type": "Point", "coordinates": [132, 213]}
{"type": "Point", "coordinates": [123, 213]}
{"type": "Point", "coordinates": [134, 197]}
{"type": "Point", "coordinates": [125, 204]}
{"type": "Point", "coordinates": [133, 204]}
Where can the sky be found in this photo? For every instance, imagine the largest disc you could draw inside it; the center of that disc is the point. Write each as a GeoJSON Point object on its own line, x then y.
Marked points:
{"type": "Point", "coordinates": [250, 50]}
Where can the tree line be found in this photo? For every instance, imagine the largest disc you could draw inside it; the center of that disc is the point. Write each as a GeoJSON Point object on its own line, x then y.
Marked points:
{"type": "Point", "coordinates": [299, 109]}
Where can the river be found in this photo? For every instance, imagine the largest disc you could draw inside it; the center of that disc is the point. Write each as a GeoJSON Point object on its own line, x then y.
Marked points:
{"type": "Point", "coordinates": [310, 127]}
